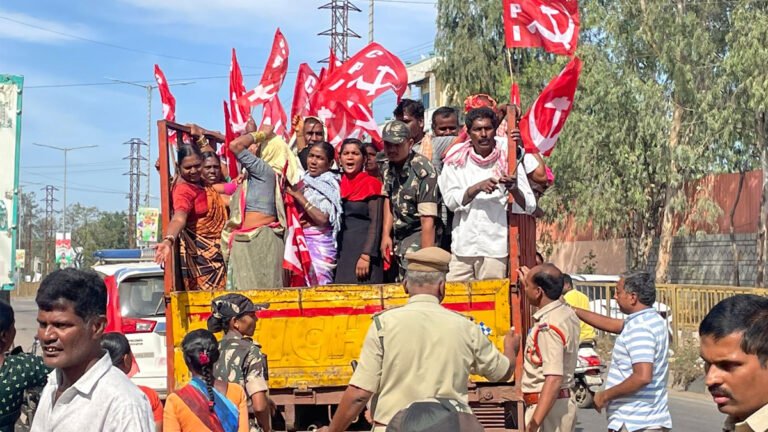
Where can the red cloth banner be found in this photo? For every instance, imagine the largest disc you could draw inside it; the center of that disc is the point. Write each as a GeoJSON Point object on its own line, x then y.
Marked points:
{"type": "Point", "coordinates": [306, 85]}
{"type": "Point", "coordinates": [229, 136]}
{"type": "Point", "coordinates": [345, 94]}
{"type": "Point", "coordinates": [274, 115]}
{"type": "Point", "coordinates": [168, 101]}
{"type": "Point", "coordinates": [238, 114]}
{"type": "Point", "coordinates": [273, 77]}
{"type": "Point", "coordinates": [296, 258]}
{"type": "Point", "coordinates": [544, 121]}
{"type": "Point", "coordinates": [549, 24]}
{"type": "Point", "coordinates": [514, 94]}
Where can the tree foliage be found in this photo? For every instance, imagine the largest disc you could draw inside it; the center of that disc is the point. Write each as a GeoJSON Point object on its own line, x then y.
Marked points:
{"type": "Point", "coordinates": [91, 228]}
{"type": "Point", "coordinates": [670, 91]}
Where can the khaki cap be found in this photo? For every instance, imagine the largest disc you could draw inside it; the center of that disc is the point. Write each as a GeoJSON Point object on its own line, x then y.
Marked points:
{"type": "Point", "coordinates": [395, 132]}
{"type": "Point", "coordinates": [430, 259]}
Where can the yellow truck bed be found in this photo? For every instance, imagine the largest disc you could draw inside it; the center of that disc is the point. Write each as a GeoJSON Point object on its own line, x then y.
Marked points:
{"type": "Point", "coordinates": [311, 336]}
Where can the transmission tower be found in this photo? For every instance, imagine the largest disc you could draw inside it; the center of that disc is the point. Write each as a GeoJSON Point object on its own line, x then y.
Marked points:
{"type": "Point", "coordinates": [340, 31]}
{"type": "Point", "coordinates": [49, 245]}
{"type": "Point", "coordinates": [134, 175]}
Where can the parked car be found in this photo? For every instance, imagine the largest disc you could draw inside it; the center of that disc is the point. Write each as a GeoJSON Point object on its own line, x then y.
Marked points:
{"type": "Point", "coordinates": [136, 308]}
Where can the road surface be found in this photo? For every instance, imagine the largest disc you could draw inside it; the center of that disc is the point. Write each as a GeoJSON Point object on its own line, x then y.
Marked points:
{"type": "Point", "coordinates": [691, 412]}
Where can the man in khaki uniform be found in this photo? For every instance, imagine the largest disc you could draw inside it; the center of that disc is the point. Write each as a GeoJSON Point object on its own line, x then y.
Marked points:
{"type": "Point", "coordinates": [551, 350]}
{"type": "Point", "coordinates": [420, 350]}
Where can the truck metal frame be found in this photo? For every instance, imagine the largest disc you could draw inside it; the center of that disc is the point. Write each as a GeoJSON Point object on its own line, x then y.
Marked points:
{"type": "Point", "coordinates": [499, 406]}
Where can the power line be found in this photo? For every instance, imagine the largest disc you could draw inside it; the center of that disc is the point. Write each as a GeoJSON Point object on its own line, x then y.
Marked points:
{"type": "Point", "coordinates": [111, 45]}
{"type": "Point", "coordinates": [407, 2]}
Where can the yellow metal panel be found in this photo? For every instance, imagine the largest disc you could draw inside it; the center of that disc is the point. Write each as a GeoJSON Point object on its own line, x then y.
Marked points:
{"type": "Point", "coordinates": [311, 336]}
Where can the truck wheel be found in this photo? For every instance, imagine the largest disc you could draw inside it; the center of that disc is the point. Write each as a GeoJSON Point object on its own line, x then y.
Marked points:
{"type": "Point", "coordinates": [582, 396]}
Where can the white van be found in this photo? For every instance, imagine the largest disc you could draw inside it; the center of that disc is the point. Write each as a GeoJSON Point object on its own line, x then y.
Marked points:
{"type": "Point", "coordinates": [136, 308]}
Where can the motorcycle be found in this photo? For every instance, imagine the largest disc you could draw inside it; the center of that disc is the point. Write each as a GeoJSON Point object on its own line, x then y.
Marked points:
{"type": "Point", "coordinates": [588, 375]}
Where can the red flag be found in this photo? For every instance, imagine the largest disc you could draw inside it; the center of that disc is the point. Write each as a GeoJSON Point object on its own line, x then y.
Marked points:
{"type": "Point", "coordinates": [365, 76]}
{"type": "Point", "coordinates": [239, 114]}
{"type": "Point", "coordinates": [344, 95]}
{"type": "Point", "coordinates": [296, 258]}
{"type": "Point", "coordinates": [226, 153]}
{"type": "Point", "coordinates": [273, 77]}
{"type": "Point", "coordinates": [351, 120]}
{"type": "Point", "coordinates": [514, 94]}
{"type": "Point", "coordinates": [306, 85]}
{"type": "Point", "coordinates": [168, 101]}
{"type": "Point", "coordinates": [550, 24]}
{"type": "Point", "coordinates": [333, 62]}
{"type": "Point", "coordinates": [544, 121]}
{"type": "Point", "coordinates": [274, 115]}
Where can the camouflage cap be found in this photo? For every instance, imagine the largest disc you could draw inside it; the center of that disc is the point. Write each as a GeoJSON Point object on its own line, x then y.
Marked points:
{"type": "Point", "coordinates": [229, 306]}
{"type": "Point", "coordinates": [395, 132]}
{"type": "Point", "coordinates": [433, 415]}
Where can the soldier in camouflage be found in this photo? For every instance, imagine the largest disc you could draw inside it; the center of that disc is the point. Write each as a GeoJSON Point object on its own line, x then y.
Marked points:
{"type": "Point", "coordinates": [410, 183]}
{"type": "Point", "coordinates": [241, 358]}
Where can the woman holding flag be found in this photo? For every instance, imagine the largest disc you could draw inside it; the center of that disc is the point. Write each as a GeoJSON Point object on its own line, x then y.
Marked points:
{"type": "Point", "coordinates": [319, 197]}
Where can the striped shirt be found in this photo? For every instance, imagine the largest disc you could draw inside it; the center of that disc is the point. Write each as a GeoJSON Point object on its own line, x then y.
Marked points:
{"type": "Point", "coordinates": [644, 339]}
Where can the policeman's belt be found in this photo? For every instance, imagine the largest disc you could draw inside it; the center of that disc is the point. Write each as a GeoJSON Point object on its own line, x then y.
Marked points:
{"type": "Point", "coordinates": [533, 398]}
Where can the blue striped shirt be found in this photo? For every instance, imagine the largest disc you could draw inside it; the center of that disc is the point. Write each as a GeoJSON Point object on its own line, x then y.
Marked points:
{"type": "Point", "coordinates": [644, 339]}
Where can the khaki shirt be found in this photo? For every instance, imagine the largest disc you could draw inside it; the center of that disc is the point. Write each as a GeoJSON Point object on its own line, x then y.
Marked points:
{"type": "Point", "coordinates": [757, 422]}
{"type": "Point", "coordinates": [554, 356]}
{"type": "Point", "coordinates": [423, 350]}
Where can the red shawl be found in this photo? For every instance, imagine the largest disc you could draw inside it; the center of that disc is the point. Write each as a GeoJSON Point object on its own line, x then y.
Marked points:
{"type": "Point", "coordinates": [360, 186]}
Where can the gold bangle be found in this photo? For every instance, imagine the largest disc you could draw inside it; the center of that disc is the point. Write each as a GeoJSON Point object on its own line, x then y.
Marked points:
{"type": "Point", "coordinates": [258, 136]}
{"type": "Point", "coordinates": [202, 141]}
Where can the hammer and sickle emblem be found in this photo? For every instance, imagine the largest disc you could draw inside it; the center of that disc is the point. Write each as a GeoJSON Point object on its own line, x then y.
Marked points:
{"type": "Point", "coordinates": [555, 35]}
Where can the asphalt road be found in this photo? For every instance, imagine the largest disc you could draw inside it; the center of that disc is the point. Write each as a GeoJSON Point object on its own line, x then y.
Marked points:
{"type": "Point", "coordinates": [25, 311]}
{"type": "Point", "coordinates": [691, 412]}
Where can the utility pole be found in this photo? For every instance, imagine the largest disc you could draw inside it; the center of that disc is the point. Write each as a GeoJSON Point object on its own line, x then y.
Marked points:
{"type": "Point", "coordinates": [149, 88]}
{"type": "Point", "coordinates": [370, 22]}
{"type": "Point", "coordinates": [66, 150]}
{"type": "Point", "coordinates": [134, 176]}
{"type": "Point", "coordinates": [48, 243]}
{"type": "Point", "coordinates": [340, 31]}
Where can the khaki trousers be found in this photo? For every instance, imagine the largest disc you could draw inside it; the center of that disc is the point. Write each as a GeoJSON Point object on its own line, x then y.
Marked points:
{"type": "Point", "coordinates": [561, 418]}
{"type": "Point", "coordinates": [462, 269]}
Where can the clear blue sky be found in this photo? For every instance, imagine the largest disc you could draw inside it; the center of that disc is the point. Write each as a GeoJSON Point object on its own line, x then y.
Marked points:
{"type": "Point", "coordinates": [55, 44]}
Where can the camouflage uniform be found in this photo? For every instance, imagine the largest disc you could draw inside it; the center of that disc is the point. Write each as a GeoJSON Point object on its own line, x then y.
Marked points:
{"type": "Point", "coordinates": [242, 362]}
{"type": "Point", "coordinates": [413, 193]}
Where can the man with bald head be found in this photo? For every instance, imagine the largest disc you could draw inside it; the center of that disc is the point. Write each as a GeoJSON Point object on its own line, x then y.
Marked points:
{"type": "Point", "coordinates": [550, 353]}
{"type": "Point", "coordinates": [420, 350]}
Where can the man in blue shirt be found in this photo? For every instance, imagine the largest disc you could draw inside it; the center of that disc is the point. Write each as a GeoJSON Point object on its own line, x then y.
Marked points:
{"type": "Point", "coordinates": [636, 396]}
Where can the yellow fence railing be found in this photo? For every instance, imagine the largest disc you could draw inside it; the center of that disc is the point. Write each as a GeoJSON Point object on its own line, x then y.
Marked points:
{"type": "Point", "coordinates": [684, 306]}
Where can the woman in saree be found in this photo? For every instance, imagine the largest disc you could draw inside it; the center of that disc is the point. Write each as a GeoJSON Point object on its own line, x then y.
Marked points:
{"type": "Point", "coordinates": [319, 196]}
{"type": "Point", "coordinates": [360, 235]}
{"type": "Point", "coordinates": [205, 404]}
{"type": "Point", "coordinates": [253, 236]}
{"type": "Point", "coordinates": [199, 215]}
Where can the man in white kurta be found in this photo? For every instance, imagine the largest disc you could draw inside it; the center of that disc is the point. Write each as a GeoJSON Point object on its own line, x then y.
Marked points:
{"type": "Point", "coordinates": [474, 185]}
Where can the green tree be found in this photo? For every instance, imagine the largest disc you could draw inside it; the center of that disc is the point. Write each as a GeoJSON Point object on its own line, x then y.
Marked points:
{"type": "Point", "coordinates": [93, 229]}
{"type": "Point", "coordinates": [31, 228]}
{"type": "Point", "coordinates": [470, 46]}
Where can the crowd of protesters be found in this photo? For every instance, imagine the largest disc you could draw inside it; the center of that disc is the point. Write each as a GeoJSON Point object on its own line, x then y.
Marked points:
{"type": "Point", "coordinates": [362, 206]}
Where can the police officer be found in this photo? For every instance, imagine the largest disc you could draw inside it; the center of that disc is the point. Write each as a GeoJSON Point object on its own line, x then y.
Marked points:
{"type": "Point", "coordinates": [420, 350]}
{"type": "Point", "coordinates": [550, 355]}
{"type": "Point", "coordinates": [241, 360]}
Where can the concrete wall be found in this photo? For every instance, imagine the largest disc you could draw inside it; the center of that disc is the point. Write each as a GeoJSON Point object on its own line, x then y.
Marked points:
{"type": "Point", "coordinates": [703, 259]}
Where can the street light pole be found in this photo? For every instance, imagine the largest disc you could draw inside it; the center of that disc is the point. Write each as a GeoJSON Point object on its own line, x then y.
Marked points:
{"type": "Point", "coordinates": [65, 150]}
{"type": "Point", "coordinates": [149, 88]}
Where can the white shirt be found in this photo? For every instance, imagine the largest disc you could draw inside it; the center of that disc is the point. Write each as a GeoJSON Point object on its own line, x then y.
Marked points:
{"type": "Point", "coordinates": [480, 227]}
{"type": "Point", "coordinates": [103, 399]}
